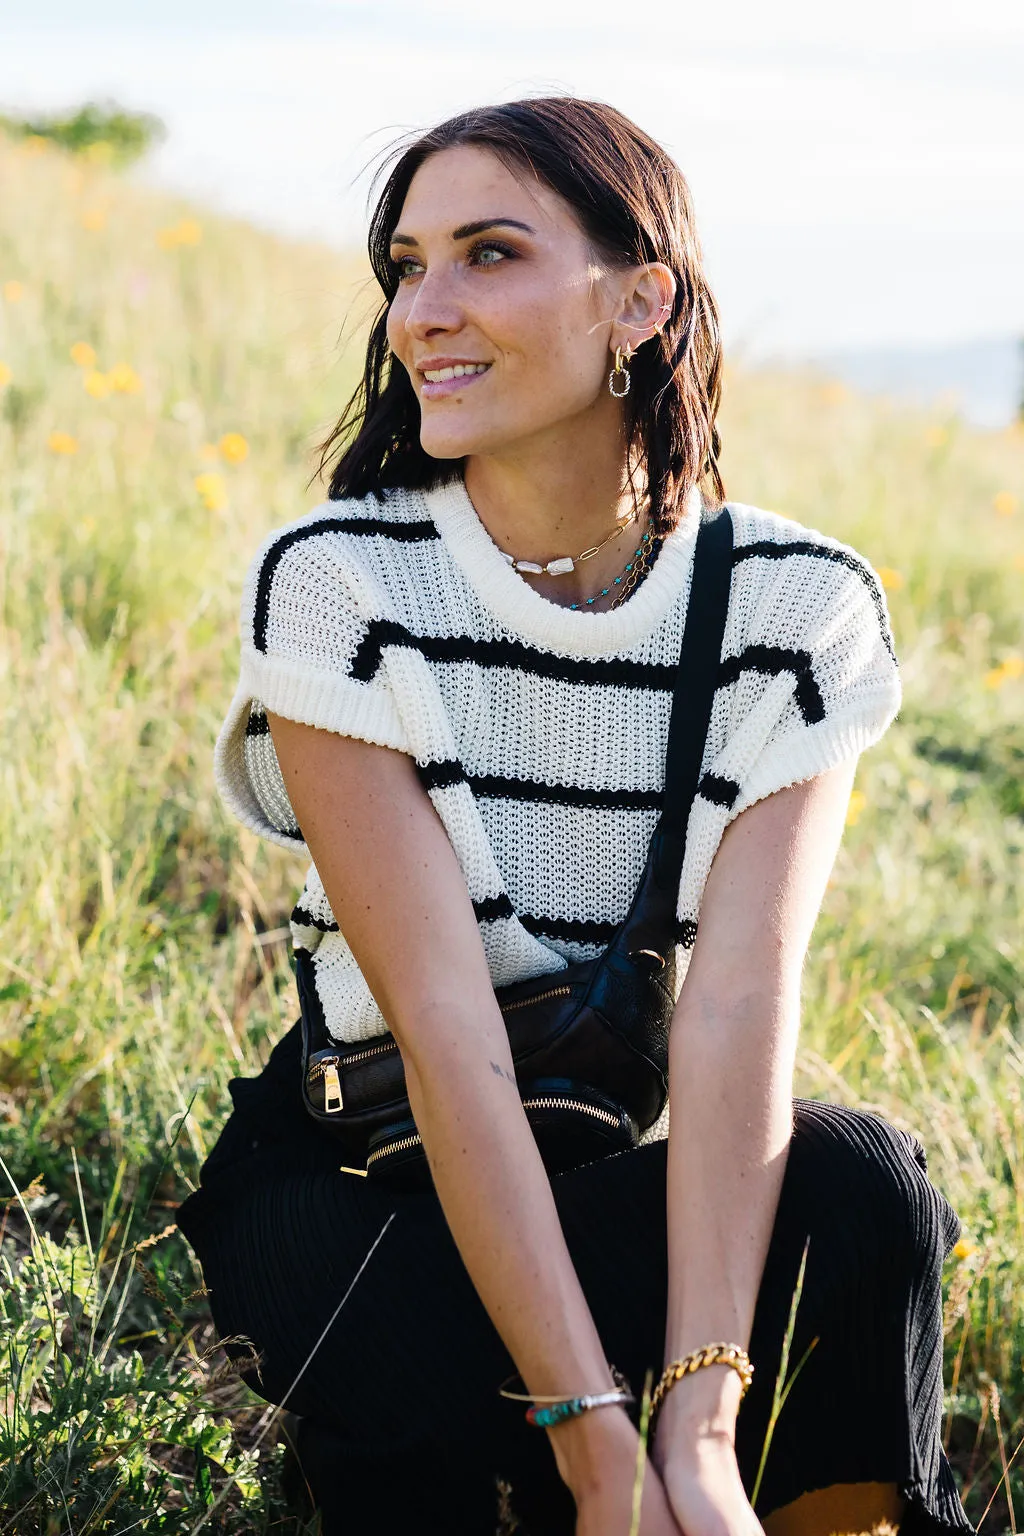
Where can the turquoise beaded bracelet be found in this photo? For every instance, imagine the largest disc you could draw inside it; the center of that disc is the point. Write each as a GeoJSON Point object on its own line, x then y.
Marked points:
{"type": "Point", "coordinates": [558, 1409]}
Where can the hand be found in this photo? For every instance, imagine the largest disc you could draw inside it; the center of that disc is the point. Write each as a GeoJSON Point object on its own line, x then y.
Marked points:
{"type": "Point", "coordinates": [705, 1491]}
{"type": "Point", "coordinates": [602, 1475]}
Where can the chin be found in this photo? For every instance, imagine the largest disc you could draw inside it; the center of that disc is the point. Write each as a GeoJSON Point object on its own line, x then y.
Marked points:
{"type": "Point", "coordinates": [454, 440]}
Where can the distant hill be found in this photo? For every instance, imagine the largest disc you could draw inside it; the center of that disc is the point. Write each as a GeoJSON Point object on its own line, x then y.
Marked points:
{"type": "Point", "coordinates": [983, 379]}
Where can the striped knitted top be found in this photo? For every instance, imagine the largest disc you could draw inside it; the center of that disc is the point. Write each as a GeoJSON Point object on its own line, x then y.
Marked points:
{"type": "Point", "coordinates": [540, 732]}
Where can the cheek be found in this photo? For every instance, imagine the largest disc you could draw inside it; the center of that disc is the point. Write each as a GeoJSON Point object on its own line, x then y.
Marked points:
{"type": "Point", "coordinates": [398, 337]}
{"type": "Point", "coordinates": [553, 333]}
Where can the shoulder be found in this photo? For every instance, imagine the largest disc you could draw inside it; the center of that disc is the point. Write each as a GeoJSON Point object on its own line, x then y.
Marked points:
{"type": "Point", "coordinates": [793, 579]}
{"type": "Point", "coordinates": [351, 525]}
{"type": "Point", "coordinates": [327, 559]}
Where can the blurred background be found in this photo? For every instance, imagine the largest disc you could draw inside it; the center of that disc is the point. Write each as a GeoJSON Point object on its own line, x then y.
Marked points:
{"type": "Point", "coordinates": [858, 175]}
{"type": "Point", "coordinates": [182, 296]}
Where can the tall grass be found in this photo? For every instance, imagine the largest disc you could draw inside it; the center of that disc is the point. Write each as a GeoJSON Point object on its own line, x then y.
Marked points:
{"type": "Point", "coordinates": [143, 957]}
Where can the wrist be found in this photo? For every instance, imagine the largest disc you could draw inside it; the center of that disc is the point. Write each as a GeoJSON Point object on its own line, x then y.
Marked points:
{"type": "Point", "coordinates": [700, 1409]}
{"type": "Point", "coordinates": [587, 1447]}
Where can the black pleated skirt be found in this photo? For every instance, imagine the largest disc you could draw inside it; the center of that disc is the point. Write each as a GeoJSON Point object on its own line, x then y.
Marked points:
{"type": "Point", "coordinates": [402, 1425]}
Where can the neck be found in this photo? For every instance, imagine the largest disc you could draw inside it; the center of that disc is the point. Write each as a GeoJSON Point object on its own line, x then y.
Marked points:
{"type": "Point", "coordinates": [553, 499]}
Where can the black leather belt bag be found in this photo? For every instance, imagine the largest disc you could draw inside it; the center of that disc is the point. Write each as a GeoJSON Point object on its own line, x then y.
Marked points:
{"type": "Point", "coordinates": [589, 1042]}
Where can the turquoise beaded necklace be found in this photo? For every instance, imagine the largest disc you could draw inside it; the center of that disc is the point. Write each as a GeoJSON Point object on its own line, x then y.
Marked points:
{"type": "Point", "coordinates": [638, 565]}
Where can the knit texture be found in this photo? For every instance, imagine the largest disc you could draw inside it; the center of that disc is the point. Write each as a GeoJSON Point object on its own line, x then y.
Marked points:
{"type": "Point", "coordinates": [540, 733]}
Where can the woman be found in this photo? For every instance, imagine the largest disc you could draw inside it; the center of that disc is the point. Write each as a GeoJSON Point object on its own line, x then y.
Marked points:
{"type": "Point", "coordinates": [469, 728]}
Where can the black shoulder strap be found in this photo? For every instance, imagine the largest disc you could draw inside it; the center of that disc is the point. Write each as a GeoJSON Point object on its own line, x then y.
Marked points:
{"type": "Point", "coordinates": [699, 662]}
{"type": "Point", "coordinates": [651, 922]}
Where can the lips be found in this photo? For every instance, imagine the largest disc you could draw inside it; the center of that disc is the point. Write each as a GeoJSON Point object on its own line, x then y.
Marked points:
{"type": "Point", "coordinates": [446, 376]}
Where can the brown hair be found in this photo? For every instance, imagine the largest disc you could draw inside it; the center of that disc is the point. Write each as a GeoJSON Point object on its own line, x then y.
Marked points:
{"type": "Point", "coordinates": [633, 202]}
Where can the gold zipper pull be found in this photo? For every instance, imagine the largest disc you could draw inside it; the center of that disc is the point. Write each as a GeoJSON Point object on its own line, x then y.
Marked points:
{"type": "Point", "coordinates": [332, 1089]}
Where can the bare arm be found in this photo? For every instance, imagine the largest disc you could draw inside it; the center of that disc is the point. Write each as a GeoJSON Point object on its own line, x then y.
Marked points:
{"type": "Point", "coordinates": [400, 898]}
{"type": "Point", "coordinates": [732, 1051]}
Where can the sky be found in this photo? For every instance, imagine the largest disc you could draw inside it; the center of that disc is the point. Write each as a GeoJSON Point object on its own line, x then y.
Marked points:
{"type": "Point", "coordinates": [858, 172]}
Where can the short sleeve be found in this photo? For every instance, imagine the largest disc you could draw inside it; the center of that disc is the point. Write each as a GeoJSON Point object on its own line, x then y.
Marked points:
{"type": "Point", "coordinates": [308, 615]}
{"type": "Point", "coordinates": [822, 680]}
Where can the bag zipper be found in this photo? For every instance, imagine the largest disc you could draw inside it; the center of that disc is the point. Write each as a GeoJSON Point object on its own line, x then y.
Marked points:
{"type": "Point", "coordinates": [541, 997]}
{"type": "Point", "coordinates": [543, 1101]}
{"type": "Point", "coordinates": [327, 1068]}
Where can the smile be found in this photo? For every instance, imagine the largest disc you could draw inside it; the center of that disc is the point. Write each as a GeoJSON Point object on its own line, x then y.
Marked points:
{"type": "Point", "coordinates": [449, 378]}
{"type": "Point", "coordinates": [456, 371]}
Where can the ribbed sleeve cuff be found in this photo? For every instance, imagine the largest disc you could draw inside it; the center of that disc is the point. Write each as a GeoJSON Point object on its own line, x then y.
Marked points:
{"type": "Point", "coordinates": [327, 700]}
{"type": "Point", "coordinates": [322, 699]}
{"type": "Point", "coordinates": [817, 748]}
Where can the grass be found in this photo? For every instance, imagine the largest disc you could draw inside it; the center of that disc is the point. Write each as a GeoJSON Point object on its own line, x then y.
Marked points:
{"type": "Point", "coordinates": [143, 956]}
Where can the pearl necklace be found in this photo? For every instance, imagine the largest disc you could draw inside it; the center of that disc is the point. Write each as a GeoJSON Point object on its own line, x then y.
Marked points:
{"type": "Point", "coordinates": [565, 563]}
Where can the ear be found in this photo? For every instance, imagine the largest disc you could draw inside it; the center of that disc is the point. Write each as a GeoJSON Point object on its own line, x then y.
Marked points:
{"type": "Point", "coordinates": [645, 305]}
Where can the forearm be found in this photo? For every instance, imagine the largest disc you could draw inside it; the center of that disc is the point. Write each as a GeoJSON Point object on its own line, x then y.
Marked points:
{"type": "Point", "coordinates": [497, 1200]}
{"type": "Point", "coordinates": [731, 1116]}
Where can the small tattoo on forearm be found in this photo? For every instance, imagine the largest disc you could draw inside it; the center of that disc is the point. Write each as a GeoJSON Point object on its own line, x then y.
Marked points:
{"type": "Point", "coordinates": [503, 1071]}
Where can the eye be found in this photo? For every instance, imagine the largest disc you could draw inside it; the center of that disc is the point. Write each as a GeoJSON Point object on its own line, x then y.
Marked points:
{"type": "Point", "coordinates": [404, 266]}
{"type": "Point", "coordinates": [490, 253]}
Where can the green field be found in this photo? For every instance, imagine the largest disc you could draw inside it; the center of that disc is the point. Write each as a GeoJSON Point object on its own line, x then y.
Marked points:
{"type": "Point", "coordinates": [164, 373]}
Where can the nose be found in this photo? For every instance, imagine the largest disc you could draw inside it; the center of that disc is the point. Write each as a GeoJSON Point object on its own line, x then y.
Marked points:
{"type": "Point", "coordinates": [434, 308]}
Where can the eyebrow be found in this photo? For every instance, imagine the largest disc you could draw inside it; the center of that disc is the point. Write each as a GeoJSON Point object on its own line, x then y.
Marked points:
{"type": "Point", "coordinates": [464, 231]}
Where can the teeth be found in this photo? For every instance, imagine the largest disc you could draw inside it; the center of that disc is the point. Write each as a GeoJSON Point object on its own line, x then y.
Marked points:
{"type": "Point", "coordinates": [457, 371]}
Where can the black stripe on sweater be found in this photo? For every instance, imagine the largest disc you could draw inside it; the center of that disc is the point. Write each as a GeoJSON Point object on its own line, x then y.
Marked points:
{"type": "Point", "coordinates": [491, 909]}
{"type": "Point", "coordinates": [585, 931]}
{"type": "Point", "coordinates": [513, 655]}
{"type": "Point", "coordinates": [499, 908]}
{"type": "Point", "coordinates": [718, 791]}
{"type": "Point", "coordinates": [257, 725]}
{"type": "Point", "coordinates": [493, 786]}
{"type": "Point", "coordinates": [381, 527]}
{"type": "Point", "coordinates": [441, 774]}
{"type": "Point", "coordinates": [765, 550]}
{"type": "Point", "coordinates": [568, 930]}
{"type": "Point", "coordinates": [771, 660]}
{"type": "Point", "coordinates": [307, 920]}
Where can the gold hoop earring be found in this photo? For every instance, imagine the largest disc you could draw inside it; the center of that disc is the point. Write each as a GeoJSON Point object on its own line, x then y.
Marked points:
{"type": "Point", "coordinates": [620, 372]}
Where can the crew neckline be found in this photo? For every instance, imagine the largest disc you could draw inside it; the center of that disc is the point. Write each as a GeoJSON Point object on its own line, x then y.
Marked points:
{"type": "Point", "coordinates": [536, 618]}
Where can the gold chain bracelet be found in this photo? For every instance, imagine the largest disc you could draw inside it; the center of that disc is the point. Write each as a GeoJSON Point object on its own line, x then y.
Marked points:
{"type": "Point", "coordinates": [712, 1354]}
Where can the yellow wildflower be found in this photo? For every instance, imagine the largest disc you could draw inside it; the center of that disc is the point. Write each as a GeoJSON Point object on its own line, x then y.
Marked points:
{"type": "Point", "coordinates": [99, 153]}
{"type": "Point", "coordinates": [834, 392]}
{"type": "Point", "coordinates": [233, 447]}
{"type": "Point", "coordinates": [83, 355]}
{"type": "Point", "coordinates": [62, 442]}
{"type": "Point", "coordinates": [213, 491]}
{"type": "Point", "coordinates": [858, 800]}
{"type": "Point", "coordinates": [14, 291]}
{"type": "Point", "coordinates": [1012, 666]}
{"type": "Point", "coordinates": [124, 379]}
{"type": "Point", "coordinates": [5, 375]}
{"type": "Point", "coordinates": [935, 437]}
{"type": "Point", "coordinates": [34, 144]}
{"type": "Point", "coordinates": [97, 385]}
{"type": "Point", "coordinates": [963, 1249]}
{"type": "Point", "coordinates": [891, 580]}
{"type": "Point", "coordinates": [1018, 562]}
{"type": "Point", "coordinates": [185, 232]}
{"type": "Point", "coordinates": [1005, 503]}
{"type": "Point", "coordinates": [94, 219]}
{"type": "Point", "coordinates": [87, 527]}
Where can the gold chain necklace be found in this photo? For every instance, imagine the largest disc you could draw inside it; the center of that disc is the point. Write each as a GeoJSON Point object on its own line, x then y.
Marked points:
{"type": "Point", "coordinates": [631, 576]}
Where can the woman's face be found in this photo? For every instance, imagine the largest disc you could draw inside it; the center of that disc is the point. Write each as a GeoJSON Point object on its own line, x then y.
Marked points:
{"type": "Point", "coordinates": [497, 278]}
